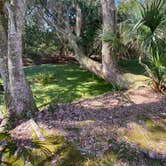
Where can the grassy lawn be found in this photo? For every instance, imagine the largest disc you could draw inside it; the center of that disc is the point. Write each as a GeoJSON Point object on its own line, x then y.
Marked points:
{"type": "Point", "coordinates": [70, 82]}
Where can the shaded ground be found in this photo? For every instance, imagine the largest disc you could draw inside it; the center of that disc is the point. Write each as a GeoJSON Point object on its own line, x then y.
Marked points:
{"type": "Point", "coordinates": [91, 122]}
{"type": "Point", "coordinates": [117, 128]}
{"type": "Point", "coordinates": [49, 60]}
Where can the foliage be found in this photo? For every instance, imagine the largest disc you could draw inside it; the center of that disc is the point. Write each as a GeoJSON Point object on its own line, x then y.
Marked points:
{"type": "Point", "coordinates": [125, 10]}
{"type": "Point", "coordinates": [116, 43]}
{"type": "Point", "coordinates": [21, 152]}
{"type": "Point", "coordinates": [54, 17]}
{"type": "Point", "coordinates": [145, 30]}
{"type": "Point", "coordinates": [37, 41]}
{"type": "Point", "coordinates": [90, 25]}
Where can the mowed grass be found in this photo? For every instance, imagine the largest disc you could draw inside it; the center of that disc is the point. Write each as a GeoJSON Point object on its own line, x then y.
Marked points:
{"type": "Point", "coordinates": [70, 82]}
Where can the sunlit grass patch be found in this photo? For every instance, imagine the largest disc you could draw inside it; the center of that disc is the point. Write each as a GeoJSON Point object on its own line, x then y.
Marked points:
{"type": "Point", "coordinates": [71, 83]}
{"type": "Point", "coordinates": [148, 134]}
{"type": "Point", "coordinates": [68, 82]}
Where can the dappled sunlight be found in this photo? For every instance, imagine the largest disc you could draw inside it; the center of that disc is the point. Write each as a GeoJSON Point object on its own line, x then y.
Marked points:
{"type": "Point", "coordinates": [147, 135]}
{"type": "Point", "coordinates": [71, 83]}
{"type": "Point", "coordinates": [91, 123]}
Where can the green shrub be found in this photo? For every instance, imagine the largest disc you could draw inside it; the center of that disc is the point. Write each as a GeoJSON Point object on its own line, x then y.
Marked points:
{"type": "Point", "coordinates": [146, 31]}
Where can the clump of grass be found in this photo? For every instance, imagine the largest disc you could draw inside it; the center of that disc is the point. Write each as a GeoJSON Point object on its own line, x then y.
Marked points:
{"type": "Point", "coordinates": [45, 78]}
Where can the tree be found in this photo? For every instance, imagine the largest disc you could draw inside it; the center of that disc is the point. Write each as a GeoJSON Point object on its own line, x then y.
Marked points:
{"type": "Point", "coordinates": [109, 24]}
{"type": "Point", "coordinates": [62, 16]}
{"type": "Point", "coordinates": [3, 61]}
{"type": "Point", "coordinates": [146, 30]}
{"type": "Point", "coordinates": [15, 83]}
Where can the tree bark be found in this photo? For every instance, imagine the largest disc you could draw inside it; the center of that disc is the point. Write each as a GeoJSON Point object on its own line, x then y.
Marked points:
{"type": "Point", "coordinates": [78, 19]}
{"type": "Point", "coordinates": [20, 91]}
{"type": "Point", "coordinates": [4, 64]}
{"type": "Point", "coordinates": [89, 64]}
{"type": "Point", "coordinates": [109, 66]}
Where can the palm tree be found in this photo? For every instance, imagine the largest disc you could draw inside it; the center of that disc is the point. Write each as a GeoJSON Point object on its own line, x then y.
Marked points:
{"type": "Point", "coordinates": [148, 33]}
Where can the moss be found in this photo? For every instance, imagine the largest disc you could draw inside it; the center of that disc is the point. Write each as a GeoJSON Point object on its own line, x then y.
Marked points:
{"type": "Point", "coordinates": [148, 135]}
{"type": "Point", "coordinates": [121, 154]}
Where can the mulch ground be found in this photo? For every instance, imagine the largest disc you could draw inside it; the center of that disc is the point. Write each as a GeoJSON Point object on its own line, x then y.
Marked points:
{"type": "Point", "coordinates": [90, 123]}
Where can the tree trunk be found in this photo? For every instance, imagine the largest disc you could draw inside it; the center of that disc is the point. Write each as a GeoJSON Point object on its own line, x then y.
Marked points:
{"type": "Point", "coordinates": [23, 101]}
{"type": "Point", "coordinates": [78, 19]}
{"type": "Point", "coordinates": [4, 65]}
{"type": "Point", "coordinates": [89, 64]}
{"type": "Point", "coordinates": [109, 66]}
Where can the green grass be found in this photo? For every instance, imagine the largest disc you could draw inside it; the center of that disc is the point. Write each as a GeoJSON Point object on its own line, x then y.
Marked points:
{"type": "Point", "coordinates": [146, 133]}
{"type": "Point", "coordinates": [132, 66]}
{"type": "Point", "coordinates": [70, 83]}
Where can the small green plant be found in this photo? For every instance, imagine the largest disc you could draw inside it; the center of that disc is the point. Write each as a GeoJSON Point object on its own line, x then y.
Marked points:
{"type": "Point", "coordinates": [147, 33]}
{"type": "Point", "coordinates": [44, 78]}
{"type": "Point", "coordinates": [152, 18]}
{"type": "Point", "coordinates": [116, 43]}
{"type": "Point", "coordinates": [21, 152]}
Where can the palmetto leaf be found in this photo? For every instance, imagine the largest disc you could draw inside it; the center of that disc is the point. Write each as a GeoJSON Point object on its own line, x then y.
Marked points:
{"type": "Point", "coordinates": [148, 33]}
{"type": "Point", "coordinates": [42, 146]}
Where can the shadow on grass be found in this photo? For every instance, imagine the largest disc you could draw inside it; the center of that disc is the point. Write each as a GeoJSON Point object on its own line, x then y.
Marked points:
{"type": "Point", "coordinates": [132, 66]}
{"type": "Point", "coordinates": [71, 83]}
